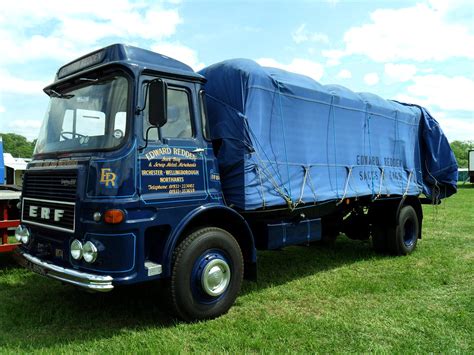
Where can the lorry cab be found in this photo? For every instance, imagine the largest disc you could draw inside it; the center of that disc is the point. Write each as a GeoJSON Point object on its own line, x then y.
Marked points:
{"type": "Point", "coordinates": [123, 172]}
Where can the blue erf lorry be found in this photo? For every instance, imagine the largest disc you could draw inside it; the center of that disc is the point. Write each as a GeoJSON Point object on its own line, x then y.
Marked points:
{"type": "Point", "coordinates": [146, 170]}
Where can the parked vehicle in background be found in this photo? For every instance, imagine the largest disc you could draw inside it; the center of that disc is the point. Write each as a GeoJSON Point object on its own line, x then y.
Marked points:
{"type": "Point", "coordinates": [9, 214]}
{"type": "Point", "coordinates": [471, 166]}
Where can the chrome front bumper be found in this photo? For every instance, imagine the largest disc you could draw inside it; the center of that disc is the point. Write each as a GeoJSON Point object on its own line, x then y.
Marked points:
{"type": "Point", "coordinates": [88, 281]}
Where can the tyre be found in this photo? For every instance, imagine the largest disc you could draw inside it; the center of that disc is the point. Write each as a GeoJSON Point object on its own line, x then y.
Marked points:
{"type": "Point", "coordinates": [406, 235]}
{"type": "Point", "coordinates": [206, 275]}
{"type": "Point", "coordinates": [400, 239]}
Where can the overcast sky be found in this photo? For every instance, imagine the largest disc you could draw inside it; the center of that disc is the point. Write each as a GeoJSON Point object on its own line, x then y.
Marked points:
{"type": "Point", "coordinates": [414, 51]}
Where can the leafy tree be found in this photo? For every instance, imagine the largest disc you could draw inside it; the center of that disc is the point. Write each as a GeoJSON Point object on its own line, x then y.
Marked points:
{"type": "Point", "coordinates": [17, 145]}
{"type": "Point", "coordinates": [461, 151]}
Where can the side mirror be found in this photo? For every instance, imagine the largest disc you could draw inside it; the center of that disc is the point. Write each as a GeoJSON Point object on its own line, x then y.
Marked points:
{"type": "Point", "coordinates": [157, 110]}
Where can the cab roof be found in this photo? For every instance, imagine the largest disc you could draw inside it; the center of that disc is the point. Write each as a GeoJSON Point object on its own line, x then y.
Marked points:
{"type": "Point", "coordinates": [125, 54]}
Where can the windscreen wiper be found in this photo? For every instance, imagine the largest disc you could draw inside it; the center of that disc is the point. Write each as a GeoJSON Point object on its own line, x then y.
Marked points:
{"type": "Point", "coordinates": [88, 79]}
{"type": "Point", "coordinates": [54, 93]}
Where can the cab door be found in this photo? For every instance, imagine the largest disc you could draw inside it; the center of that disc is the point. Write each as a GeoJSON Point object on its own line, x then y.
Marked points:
{"type": "Point", "coordinates": [172, 166]}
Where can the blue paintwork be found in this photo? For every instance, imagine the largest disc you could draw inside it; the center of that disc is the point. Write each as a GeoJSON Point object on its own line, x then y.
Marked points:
{"type": "Point", "coordinates": [195, 213]}
{"type": "Point", "coordinates": [109, 246]}
{"type": "Point", "coordinates": [147, 201]}
{"type": "Point", "coordinates": [196, 276]}
{"type": "Point", "coordinates": [132, 56]}
{"type": "Point", "coordinates": [282, 234]}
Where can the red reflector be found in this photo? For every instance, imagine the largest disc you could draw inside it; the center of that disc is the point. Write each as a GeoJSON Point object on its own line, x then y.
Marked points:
{"type": "Point", "coordinates": [113, 216]}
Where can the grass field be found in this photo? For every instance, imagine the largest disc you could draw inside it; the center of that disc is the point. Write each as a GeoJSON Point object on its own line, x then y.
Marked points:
{"type": "Point", "coordinates": [343, 298]}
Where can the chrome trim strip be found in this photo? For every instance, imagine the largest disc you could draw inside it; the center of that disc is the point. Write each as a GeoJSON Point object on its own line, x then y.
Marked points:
{"type": "Point", "coordinates": [48, 226]}
{"type": "Point", "coordinates": [85, 280]}
{"type": "Point", "coordinates": [50, 201]}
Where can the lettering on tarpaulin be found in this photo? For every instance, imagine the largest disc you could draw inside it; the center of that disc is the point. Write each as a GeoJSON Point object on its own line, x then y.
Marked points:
{"type": "Point", "coordinates": [368, 175]}
{"type": "Point", "coordinates": [368, 160]}
{"type": "Point", "coordinates": [396, 175]}
{"type": "Point", "coordinates": [371, 175]}
{"type": "Point", "coordinates": [376, 161]}
{"type": "Point", "coordinates": [393, 162]}
{"type": "Point", "coordinates": [394, 167]}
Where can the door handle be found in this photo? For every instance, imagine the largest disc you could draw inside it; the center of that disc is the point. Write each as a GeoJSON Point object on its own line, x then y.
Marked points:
{"type": "Point", "coordinates": [198, 150]}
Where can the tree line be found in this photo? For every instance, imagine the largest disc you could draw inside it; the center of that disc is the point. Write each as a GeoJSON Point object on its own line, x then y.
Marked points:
{"type": "Point", "coordinates": [20, 147]}
{"type": "Point", "coordinates": [461, 151]}
{"type": "Point", "coordinates": [17, 145]}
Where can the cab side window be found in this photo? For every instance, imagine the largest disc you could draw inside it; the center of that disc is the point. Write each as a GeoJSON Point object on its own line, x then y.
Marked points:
{"type": "Point", "coordinates": [179, 117]}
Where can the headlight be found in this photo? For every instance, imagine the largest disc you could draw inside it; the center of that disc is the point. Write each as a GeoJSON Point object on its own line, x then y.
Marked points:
{"type": "Point", "coordinates": [19, 233]}
{"type": "Point", "coordinates": [22, 234]}
{"type": "Point", "coordinates": [89, 252]}
{"type": "Point", "coordinates": [76, 249]}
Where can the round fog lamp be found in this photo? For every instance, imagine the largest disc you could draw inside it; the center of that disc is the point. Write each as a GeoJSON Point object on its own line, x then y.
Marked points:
{"type": "Point", "coordinates": [19, 233]}
{"type": "Point", "coordinates": [22, 234]}
{"type": "Point", "coordinates": [76, 249]}
{"type": "Point", "coordinates": [26, 238]}
{"type": "Point", "coordinates": [89, 252]}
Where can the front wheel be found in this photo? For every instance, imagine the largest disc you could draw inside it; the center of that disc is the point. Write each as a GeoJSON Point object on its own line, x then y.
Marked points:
{"type": "Point", "coordinates": [207, 274]}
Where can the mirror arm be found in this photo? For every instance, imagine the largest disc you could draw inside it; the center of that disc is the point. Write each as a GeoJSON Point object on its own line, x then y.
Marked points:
{"type": "Point", "coordinates": [146, 139]}
{"type": "Point", "coordinates": [139, 109]}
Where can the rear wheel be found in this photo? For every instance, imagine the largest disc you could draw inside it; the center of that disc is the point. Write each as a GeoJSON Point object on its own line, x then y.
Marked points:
{"type": "Point", "coordinates": [406, 232]}
{"type": "Point", "coordinates": [207, 274]}
{"type": "Point", "coordinates": [400, 239]}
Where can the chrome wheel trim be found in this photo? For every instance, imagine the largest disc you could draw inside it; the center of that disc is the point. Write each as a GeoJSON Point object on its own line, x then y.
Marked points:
{"type": "Point", "coordinates": [215, 277]}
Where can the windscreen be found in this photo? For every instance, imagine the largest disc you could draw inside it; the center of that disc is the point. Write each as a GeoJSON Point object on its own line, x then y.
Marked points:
{"type": "Point", "coordinates": [88, 117]}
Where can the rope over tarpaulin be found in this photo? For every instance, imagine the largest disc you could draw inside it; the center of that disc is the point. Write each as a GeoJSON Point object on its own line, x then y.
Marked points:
{"type": "Point", "coordinates": [287, 140]}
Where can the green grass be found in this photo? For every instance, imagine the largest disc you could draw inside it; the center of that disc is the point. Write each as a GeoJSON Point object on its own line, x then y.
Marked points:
{"type": "Point", "coordinates": [343, 298]}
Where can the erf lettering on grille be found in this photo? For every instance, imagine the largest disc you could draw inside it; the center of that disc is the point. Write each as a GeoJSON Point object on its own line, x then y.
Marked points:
{"type": "Point", "coordinates": [46, 213]}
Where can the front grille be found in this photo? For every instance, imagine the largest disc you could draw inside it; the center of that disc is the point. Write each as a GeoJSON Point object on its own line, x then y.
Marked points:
{"type": "Point", "coordinates": [58, 185]}
{"type": "Point", "coordinates": [52, 214]}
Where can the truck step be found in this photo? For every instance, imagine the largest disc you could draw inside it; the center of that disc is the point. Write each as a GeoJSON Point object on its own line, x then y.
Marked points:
{"type": "Point", "coordinates": [153, 268]}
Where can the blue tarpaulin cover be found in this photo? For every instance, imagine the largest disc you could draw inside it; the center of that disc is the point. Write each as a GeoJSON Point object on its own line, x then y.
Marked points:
{"type": "Point", "coordinates": [285, 139]}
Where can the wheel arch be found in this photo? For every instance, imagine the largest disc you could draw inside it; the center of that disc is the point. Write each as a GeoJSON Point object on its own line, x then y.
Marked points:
{"type": "Point", "coordinates": [216, 216]}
